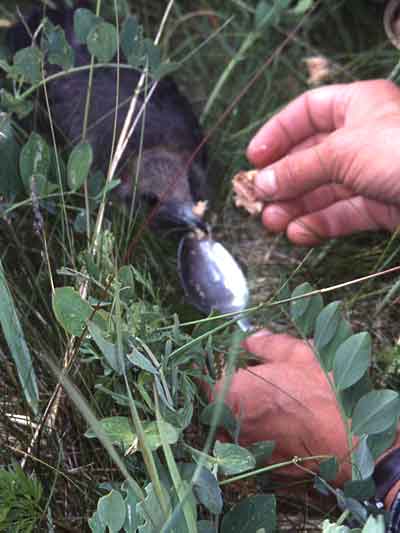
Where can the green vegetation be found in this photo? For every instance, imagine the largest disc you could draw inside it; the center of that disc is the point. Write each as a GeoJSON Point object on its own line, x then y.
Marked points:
{"type": "Point", "coordinates": [102, 361]}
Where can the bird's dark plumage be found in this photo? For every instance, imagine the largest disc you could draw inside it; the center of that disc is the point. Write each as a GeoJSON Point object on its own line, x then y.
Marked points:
{"type": "Point", "coordinates": [171, 130]}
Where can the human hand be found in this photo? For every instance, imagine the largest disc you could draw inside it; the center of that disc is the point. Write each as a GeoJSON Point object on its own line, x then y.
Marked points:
{"type": "Point", "coordinates": [286, 398]}
{"type": "Point", "coordinates": [331, 164]}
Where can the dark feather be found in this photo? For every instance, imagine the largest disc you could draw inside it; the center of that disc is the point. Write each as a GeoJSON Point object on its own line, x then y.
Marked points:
{"type": "Point", "coordinates": [171, 130]}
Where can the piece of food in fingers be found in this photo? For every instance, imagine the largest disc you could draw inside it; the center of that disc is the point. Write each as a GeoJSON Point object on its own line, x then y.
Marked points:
{"type": "Point", "coordinates": [244, 192]}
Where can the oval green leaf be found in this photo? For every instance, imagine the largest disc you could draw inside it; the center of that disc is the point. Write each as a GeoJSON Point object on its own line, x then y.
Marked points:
{"type": "Point", "coordinates": [205, 487]}
{"type": "Point", "coordinates": [121, 432]}
{"type": "Point", "coordinates": [28, 64]}
{"type": "Point", "coordinates": [34, 159]}
{"type": "Point", "coordinates": [102, 42]}
{"type": "Point", "coordinates": [79, 163]}
{"type": "Point", "coordinates": [131, 500]}
{"type": "Point", "coordinates": [328, 469]}
{"type": "Point", "coordinates": [108, 349]}
{"type": "Point", "coordinates": [226, 418]}
{"type": "Point", "coordinates": [71, 311]}
{"type": "Point", "coordinates": [59, 52]}
{"type": "Point", "coordinates": [352, 360]}
{"type": "Point", "coordinates": [304, 311]}
{"type": "Point", "coordinates": [252, 515]}
{"type": "Point", "coordinates": [233, 459]}
{"type": "Point", "coordinates": [84, 21]}
{"type": "Point", "coordinates": [375, 412]}
{"type": "Point", "coordinates": [130, 37]}
{"type": "Point", "coordinates": [112, 510]}
{"type": "Point", "coordinates": [327, 324]}
{"type": "Point", "coordinates": [10, 182]}
{"type": "Point", "coordinates": [363, 460]}
{"type": "Point", "coordinates": [118, 429]}
{"type": "Point", "coordinates": [327, 353]}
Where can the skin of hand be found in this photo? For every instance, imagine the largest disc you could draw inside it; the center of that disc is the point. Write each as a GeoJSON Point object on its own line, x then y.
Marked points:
{"type": "Point", "coordinates": [329, 162]}
{"type": "Point", "coordinates": [287, 398]}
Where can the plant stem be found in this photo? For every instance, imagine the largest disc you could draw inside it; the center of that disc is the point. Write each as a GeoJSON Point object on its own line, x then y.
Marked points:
{"type": "Point", "coordinates": [84, 129]}
{"type": "Point", "coordinates": [294, 461]}
{"type": "Point", "coordinates": [247, 43]}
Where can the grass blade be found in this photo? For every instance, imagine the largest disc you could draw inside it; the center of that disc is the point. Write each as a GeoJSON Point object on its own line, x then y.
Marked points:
{"type": "Point", "coordinates": [15, 339]}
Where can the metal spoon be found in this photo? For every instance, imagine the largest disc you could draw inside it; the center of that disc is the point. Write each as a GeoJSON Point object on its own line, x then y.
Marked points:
{"type": "Point", "coordinates": [211, 278]}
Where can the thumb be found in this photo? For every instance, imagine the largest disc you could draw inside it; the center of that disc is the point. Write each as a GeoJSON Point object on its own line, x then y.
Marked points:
{"type": "Point", "coordinates": [297, 173]}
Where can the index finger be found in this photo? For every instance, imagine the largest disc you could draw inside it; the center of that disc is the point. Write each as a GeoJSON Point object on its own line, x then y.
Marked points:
{"type": "Point", "coordinates": [317, 111]}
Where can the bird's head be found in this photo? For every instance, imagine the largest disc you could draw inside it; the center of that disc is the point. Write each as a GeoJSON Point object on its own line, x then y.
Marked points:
{"type": "Point", "coordinates": [173, 189]}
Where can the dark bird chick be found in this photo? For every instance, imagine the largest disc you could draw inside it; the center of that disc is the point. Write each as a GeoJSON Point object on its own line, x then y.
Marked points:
{"type": "Point", "coordinates": [168, 178]}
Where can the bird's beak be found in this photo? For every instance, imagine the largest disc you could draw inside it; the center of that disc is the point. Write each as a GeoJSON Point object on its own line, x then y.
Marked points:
{"type": "Point", "coordinates": [179, 215]}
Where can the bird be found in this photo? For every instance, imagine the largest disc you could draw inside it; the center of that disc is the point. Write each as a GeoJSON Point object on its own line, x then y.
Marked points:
{"type": "Point", "coordinates": [170, 157]}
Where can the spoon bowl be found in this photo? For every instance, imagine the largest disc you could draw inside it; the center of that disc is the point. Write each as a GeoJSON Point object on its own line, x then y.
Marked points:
{"type": "Point", "coordinates": [210, 276]}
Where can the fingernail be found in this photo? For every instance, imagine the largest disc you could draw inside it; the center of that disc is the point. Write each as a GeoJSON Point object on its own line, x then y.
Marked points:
{"type": "Point", "coordinates": [266, 183]}
{"type": "Point", "coordinates": [255, 146]}
{"type": "Point", "coordinates": [276, 214]}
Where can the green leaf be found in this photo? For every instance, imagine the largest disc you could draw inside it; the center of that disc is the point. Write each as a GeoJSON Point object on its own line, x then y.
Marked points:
{"type": "Point", "coordinates": [121, 432]}
{"type": "Point", "coordinates": [141, 361]}
{"type": "Point", "coordinates": [165, 69]}
{"type": "Point", "coordinates": [305, 310]}
{"type": "Point", "coordinates": [330, 527]}
{"type": "Point", "coordinates": [262, 451]}
{"type": "Point", "coordinates": [375, 524]}
{"type": "Point", "coordinates": [359, 489]}
{"type": "Point", "coordinates": [118, 429]}
{"type": "Point", "coordinates": [153, 439]}
{"type": "Point", "coordinates": [153, 55]}
{"type": "Point", "coordinates": [327, 324]}
{"type": "Point", "coordinates": [226, 418]}
{"type": "Point", "coordinates": [363, 460]}
{"type": "Point", "coordinates": [152, 503]}
{"type": "Point", "coordinates": [84, 22]}
{"type": "Point", "coordinates": [253, 515]}
{"type": "Point", "coordinates": [302, 6]}
{"type": "Point", "coordinates": [130, 37]}
{"type": "Point", "coordinates": [375, 412]}
{"type": "Point", "coordinates": [14, 104]}
{"type": "Point", "coordinates": [112, 510]}
{"type": "Point", "coordinates": [71, 311]}
{"type": "Point", "coordinates": [233, 459]}
{"type": "Point", "coordinates": [328, 469]}
{"type": "Point", "coordinates": [263, 13]}
{"type": "Point", "coordinates": [108, 349]}
{"type": "Point", "coordinates": [352, 360]}
{"type": "Point", "coordinates": [205, 487]}
{"type": "Point", "coordinates": [10, 182]}
{"type": "Point", "coordinates": [102, 42]}
{"type": "Point", "coordinates": [350, 396]}
{"type": "Point", "coordinates": [127, 280]}
{"type": "Point", "coordinates": [80, 222]}
{"type": "Point", "coordinates": [380, 442]}
{"type": "Point", "coordinates": [59, 52]}
{"type": "Point", "coordinates": [28, 64]}
{"type": "Point", "coordinates": [34, 160]}
{"type": "Point", "coordinates": [96, 524]}
{"type": "Point", "coordinates": [16, 342]}
{"type": "Point", "coordinates": [132, 520]}
{"type": "Point", "coordinates": [205, 526]}
{"type": "Point", "coordinates": [79, 163]}
{"type": "Point", "coordinates": [327, 353]}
